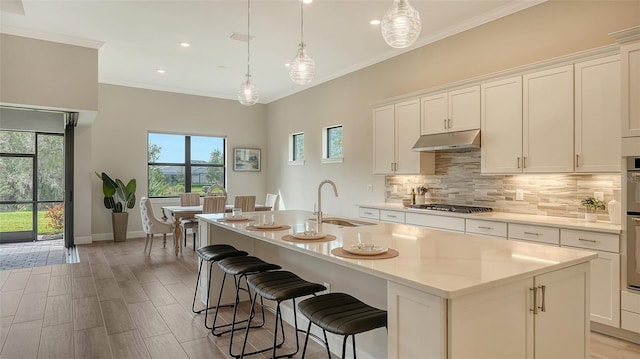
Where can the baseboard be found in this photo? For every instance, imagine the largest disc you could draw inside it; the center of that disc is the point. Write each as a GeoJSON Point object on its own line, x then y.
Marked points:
{"type": "Point", "coordinates": [83, 240]}
{"type": "Point", "coordinates": [616, 332]}
{"type": "Point", "coordinates": [109, 236]}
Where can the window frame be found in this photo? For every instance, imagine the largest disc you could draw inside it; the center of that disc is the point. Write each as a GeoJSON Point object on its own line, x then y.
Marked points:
{"type": "Point", "coordinates": [325, 144]}
{"type": "Point", "coordinates": [292, 149]}
{"type": "Point", "coordinates": [187, 165]}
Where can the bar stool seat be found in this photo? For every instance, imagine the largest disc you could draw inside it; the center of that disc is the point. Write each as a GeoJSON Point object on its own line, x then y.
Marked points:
{"type": "Point", "coordinates": [342, 314]}
{"type": "Point", "coordinates": [212, 254]}
{"type": "Point", "coordinates": [278, 286]}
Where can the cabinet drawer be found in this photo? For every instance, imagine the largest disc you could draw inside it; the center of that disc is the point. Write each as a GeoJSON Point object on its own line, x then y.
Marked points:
{"type": "Point", "coordinates": [440, 222]}
{"type": "Point", "coordinates": [370, 213]}
{"type": "Point", "coordinates": [540, 234]}
{"type": "Point", "coordinates": [631, 302]}
{"type": "Point", "coordinates": [491, 228]}
{"type": "Point", "coordinates": [630, 321]}
{"type": "Point", "coordinates": [392, 216]}
{"type": "Point", "coordinates": [590, 240]}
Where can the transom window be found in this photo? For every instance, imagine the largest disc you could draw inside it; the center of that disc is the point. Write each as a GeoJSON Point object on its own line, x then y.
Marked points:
{"type": "Point", "coordinates": [184, 163]}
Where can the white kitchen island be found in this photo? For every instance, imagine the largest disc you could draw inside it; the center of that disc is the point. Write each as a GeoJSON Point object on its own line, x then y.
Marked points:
{"type": "Point", "coordinates": [448, 294]}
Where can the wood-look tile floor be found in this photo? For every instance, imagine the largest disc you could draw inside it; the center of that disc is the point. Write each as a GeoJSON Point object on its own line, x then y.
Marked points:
{"type": "Point", "coordinates": [119, 303]}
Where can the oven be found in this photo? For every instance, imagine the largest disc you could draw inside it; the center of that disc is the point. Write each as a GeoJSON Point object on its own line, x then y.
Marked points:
{"type": "Point", "coordinates": [633, 222]}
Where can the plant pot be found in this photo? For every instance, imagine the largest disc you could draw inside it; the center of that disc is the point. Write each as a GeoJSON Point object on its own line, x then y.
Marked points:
{"type": "Point", "coordinates": [590, 217]}
{"type": "Point", "coordinates": [119, 222]}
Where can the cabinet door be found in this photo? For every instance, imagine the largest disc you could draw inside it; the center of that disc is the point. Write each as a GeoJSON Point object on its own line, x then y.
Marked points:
{"type": "Point", "coordinates": [435, 114]}
{"type": "Point", "coordinates": [383, 139]}
{"type": "Point", "coordinates": [407, 130]}
{"type": "Point", "coordinates": [548, 121]}
{"type": "Point", "coordinates": [493, 323]}
{"type": "Point", "coordinates": [501, 126]}
{"type": "Point", "coordinates": [605, 289]}
{"type": "Point", "coordinates": [597, 96]}
{"type": "Point", "coordinates": [630, 61]}
{"type": "Point", "coordinates": [561, 324]}
{"type": "Point", "coordinates": [464, 109]}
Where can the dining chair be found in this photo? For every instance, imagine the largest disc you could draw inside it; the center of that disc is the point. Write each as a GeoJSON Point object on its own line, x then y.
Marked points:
{"type": "Point", "coordinates": [214, 204]}
{"type": "Point", "coordinates": [187, 200]}
{"type": "Point", "coordinates": [272, 201]}
{"type": "Point", "coordinates": [153, 225]}
{"type": "Point", "coordinates": [246, 203]}
{"type": "Point", "coordinates": [216, 190]}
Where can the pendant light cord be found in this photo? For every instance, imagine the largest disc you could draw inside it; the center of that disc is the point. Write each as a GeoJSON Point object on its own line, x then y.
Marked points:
{"type": "Point", "coordinates": [302, 22]}
{"type": "Point", "coordinates": [248, 37]}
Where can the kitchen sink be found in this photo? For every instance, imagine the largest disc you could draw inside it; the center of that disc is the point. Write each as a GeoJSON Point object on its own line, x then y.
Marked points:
{"type": "Point", "coordinates": [344, 222]}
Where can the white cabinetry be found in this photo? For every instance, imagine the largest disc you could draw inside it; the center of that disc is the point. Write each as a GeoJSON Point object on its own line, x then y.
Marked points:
{"type": "Point", "coordinates": [392, 216]}
{"type": "Point", "coordinates": [630, 311]}
{"type": "Point", "coordinates": [630, 89]}
{"type": "Point", "coordinates": [451, 111]}
{"type": "Point", "coordinates": [435, 221]}
{"type": "Point", "coordinates": [396, 128]}
{"type": "Point", "coordinates": [501, 126]}
{"type": "Point", "coordinates": [605, 272]}
{"type": "Point", "coordinates": [530, 318]}
{"type": "Point", "coordinates": [491, 228]}
{"type": "Point", "coordinates": [548, 121]}
{"type": "Point", "coordinates": [539, 234]}
{"type": "Point", "coordinates": [369, 213]}
{"type": "Point", "coordinates": [597, 110]}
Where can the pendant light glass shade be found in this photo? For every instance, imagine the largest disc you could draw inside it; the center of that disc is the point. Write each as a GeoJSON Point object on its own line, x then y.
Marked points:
{"type": "Point", "coordinates": [302, 68]}
{"type": "Point", "coordinates": [401, 25]}
{"type": "Point", "coordinates": [248, 94]}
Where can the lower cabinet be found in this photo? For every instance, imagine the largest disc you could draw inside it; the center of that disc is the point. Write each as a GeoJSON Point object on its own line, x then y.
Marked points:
{"type": "Point", "coordinates": [435, 221]}
{"type": "Point", "coordinates": [392, 216]}
{"type": "Point", "coordinates": [537, 317]}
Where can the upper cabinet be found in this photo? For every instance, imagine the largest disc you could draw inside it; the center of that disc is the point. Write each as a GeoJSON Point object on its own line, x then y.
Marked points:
{"type": "Point", "coordinates": [396, 128]}
{"type": "Point", "coordinates": [501, 126]}
{"type": "Point", "coordinates": [629, 40]}
{"type": "Point", "coordinates": [451, 111]}
{"type": "Point", "coordinates": [547, 121]}
{"type": "Point", "coordinates": [597, 114]}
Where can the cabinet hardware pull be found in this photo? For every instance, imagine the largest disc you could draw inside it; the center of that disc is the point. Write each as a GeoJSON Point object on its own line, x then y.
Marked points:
{"type": "Point", "coordinates": [543, 306]}
{"type": "Point", "coordinates": [587, 240]}
{"type": "Point", "coordinates": [483, 227]}
{"type": "Point", "coordinates": [391, 166]}
{"type": "Point", "coordinates": [391, 216]}
{"type": "Point", "coordinates": [369, 213]}
{"type": "Point", "coordinates": [445, 124]}
{"type": "Point", "coordinates": [532, 233]}
{"type": "Point", "coordinates": [449, 123]}
{"type": "Point", "coordinates": [524, 161]}
{"type": "Point", "coordinates": [535, 300]}
{"type": "Point", "coordinates": [577, 160]}
{"type": "Point", "coordinates": [518, 162]}
{"type": "Point", "coordinates": [395, 166]}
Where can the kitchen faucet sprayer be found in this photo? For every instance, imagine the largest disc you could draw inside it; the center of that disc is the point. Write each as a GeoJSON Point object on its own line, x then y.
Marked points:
{"type": "Point", "coordinates": [318, 213]}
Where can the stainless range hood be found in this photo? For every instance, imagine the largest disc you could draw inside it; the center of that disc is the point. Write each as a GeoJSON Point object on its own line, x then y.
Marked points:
{"type": "Point", "coordinates": [448, 141]}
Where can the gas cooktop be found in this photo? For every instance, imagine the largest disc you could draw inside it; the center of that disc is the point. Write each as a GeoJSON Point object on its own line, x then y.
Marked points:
{"type": "Point", "coordinates": [450, 208]}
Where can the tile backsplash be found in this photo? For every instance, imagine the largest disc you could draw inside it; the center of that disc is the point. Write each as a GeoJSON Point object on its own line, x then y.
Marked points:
{"type": "Point", "coordinates": [458, 181]}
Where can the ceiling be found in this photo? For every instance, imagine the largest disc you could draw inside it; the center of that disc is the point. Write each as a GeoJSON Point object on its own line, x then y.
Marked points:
{"type": "Point", "coordinates": [135, 38]}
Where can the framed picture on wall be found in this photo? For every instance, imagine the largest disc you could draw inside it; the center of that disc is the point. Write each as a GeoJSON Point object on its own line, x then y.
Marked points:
{"type": "Point", "coordinates": [246, 159]}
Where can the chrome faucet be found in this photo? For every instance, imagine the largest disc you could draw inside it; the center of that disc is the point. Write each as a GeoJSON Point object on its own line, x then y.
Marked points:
{"type": "Point", "coordinates": [318, 213]}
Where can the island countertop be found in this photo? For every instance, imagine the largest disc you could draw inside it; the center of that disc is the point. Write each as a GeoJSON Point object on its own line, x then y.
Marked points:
{"type": "Point", "coordinates": [442, 263]}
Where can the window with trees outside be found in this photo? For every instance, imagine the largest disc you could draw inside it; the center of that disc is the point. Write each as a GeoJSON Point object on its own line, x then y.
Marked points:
{"type": "Point", "coordinates": [184, 163]}
{"type": "Point", "coordinates": [296, 148]}
{"type": "Point", "coordinates": [332, 144]}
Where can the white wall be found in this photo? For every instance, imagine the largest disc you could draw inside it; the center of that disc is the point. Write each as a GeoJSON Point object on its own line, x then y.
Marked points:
{"type": "Point", "coordinates": [549, 30]}
{"type": "Point", "coordinates": [119, 141]}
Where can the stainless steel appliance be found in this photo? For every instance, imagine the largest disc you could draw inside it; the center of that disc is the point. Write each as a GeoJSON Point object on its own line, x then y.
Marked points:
{"type": "Point", "coordinates": [633, 223]}
{"type": "Point", "coordinates": [450, 208]}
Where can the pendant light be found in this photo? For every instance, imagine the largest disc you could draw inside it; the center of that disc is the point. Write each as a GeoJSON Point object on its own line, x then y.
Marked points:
{"type": "Point", "coordinates": [302, 68]}
{"type": "Point", "coordinates": [401, 25]}
{"type": "Point", "coordinates": [248, 94]}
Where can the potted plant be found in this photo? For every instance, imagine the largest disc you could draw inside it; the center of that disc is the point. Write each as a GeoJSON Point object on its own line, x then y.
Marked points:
{"type": "Point", "coordinates": [118, 197]}
{"type": "Point", "coordinates": [592, 204]}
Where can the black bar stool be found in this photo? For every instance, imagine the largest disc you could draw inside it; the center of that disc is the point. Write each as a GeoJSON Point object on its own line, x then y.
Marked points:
{"type": "Point", "coordinates": [342, 314]}
{"type": "Point", "coordinates": [278, 286]}
{"type": "Point", "coordinates": [239, 267]}
{"type": "Point", "coordinates": [212, 254]}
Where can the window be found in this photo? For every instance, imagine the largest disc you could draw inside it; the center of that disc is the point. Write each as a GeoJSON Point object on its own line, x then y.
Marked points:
{"type": "Point", "coordinates": [296, 148]}
{"type": "Point", "coordinates": [184, 163]}
{"type": "Point", "coordinates": [332, 144]}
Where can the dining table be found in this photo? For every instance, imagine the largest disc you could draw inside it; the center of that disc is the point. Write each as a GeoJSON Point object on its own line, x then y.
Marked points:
{"type": "Point", "coordinates": [179, 213]}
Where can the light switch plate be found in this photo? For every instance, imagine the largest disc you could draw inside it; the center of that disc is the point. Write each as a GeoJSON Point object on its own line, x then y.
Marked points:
{"type": "Point", "coordinates": [519, 194]}
{"type": "Point", "coordinates": [599, 195]}
{"type": "Point", "coordinates": [370, 188]}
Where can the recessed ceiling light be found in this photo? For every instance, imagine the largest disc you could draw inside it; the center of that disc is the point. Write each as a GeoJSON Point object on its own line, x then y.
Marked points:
{"type": "Point", "coordinates": [185, 44]}
{"type": "Point", "coordinates": [160, 71]}
{"type": "Point", "coordinates": [374, 22]}
{"type": "Point", "coordinates": [307, 1]}
{"type": "Point", "coordinates": [287, 64]}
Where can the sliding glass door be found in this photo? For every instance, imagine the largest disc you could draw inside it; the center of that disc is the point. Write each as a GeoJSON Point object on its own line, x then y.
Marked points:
{"type": "Point", "coordinates": [31, 186]}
